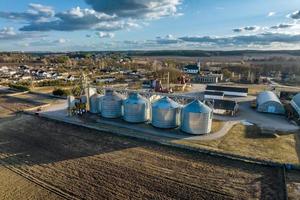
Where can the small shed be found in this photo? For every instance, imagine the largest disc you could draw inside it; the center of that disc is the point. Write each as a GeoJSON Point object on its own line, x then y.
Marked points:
{"type": "Point", "coordinates": [224, 106]}
{"type": "Point", "coordinates": [268, 102]}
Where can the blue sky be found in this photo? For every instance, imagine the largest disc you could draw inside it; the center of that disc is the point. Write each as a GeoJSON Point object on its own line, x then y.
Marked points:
{"type": "Point", "coordinates": [64, 25]}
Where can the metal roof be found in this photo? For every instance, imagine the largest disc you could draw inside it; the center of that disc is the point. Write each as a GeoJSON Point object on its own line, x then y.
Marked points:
{"type": "Point", "coordinates": [135, 98]}
{"type": "Point", "coordinates": [197, 107]}
{"type": "Point", "coordinates": [191, 67]}
{"type": "Point", "coordinates": [223, 104]}
{"type": "Point", "coordinates": [165, 103]}
{"type": "Point", "coordinates": [216, 93]}
{"type": "Point", "coordinates": [226, 88]}
{"type": "Point", "coordinates": [266, 96]}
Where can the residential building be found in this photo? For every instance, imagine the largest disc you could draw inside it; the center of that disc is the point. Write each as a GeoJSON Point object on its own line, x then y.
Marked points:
{"type": "Point", "coordinates": [193, 69]}
{"type": "Point", "coordinates": [209, 78]}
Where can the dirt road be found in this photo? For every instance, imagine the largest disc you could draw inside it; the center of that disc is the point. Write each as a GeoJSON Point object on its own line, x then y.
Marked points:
{"type": "Point", "coordinates": [78, 163]}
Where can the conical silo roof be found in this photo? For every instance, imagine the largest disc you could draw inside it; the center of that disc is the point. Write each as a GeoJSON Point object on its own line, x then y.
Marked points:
{"type": "Point", "coordinates": [165, 103]}
{"type": "Point", "coordinates": [197, 106]}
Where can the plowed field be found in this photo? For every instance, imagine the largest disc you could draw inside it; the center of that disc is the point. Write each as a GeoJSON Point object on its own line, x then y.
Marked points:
{"type": "Point", "coordinates": [78, 163]}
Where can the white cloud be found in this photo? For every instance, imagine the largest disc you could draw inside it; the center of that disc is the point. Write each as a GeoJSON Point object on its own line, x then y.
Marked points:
{"type": "Point", "coordinates": [270, 14]}
{"type": "Point", "coordinates": [7, 31]}
{"type": "Point", "coordinates": [61, 40]}
{"type": "Point", "coordinates": [105, 35]}
{"type": "Point", "coordinates": [151, 9]}
{"type": "Point", "coordinates": [47, 42]}
{"type": "Point", "coordinates": [295, 15]}
{"type": "Point", "coordinates": [247, 28]}
{"type": "Point", "coordinates": [36, 13]}
{"type": "Point", "coordinates": [282, 26]}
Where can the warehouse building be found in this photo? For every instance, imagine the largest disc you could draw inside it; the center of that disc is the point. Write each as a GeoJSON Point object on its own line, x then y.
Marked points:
{"type": "Point", "coordinates": [229, 91]}
{"type": "Point", "coordinates": [268, 102]}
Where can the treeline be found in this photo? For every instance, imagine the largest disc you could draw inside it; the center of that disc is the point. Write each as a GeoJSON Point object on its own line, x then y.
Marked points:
{"type": "Point", "coordinates": [188, 53]}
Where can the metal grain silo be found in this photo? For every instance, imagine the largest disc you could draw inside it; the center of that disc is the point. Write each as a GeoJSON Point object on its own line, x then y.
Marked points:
{"type": "Point", "coordinates": [196, 118]}
{"type": "Point", "coordinates": [165, 113]}
{"type": "Point", "coordinates": [136, 108]}
{"type": "Point", "coordinates": [111, 105]}
{"type": "Point", "coordinates": [94, 103]}
{"type": "Point", "coordinates": [83, 99]}
{"type": "Point", "coordinates": [71, 102]}
{"type": "Point", "coordinates": [99, 102]}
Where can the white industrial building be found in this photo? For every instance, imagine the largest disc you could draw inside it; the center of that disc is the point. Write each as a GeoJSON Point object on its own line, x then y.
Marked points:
{"type": "Point", "coordinates": [268, 102]}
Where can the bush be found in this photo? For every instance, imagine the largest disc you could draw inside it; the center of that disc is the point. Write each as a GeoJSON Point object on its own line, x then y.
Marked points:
{"type": "Point", "coordinates": [19, 87]}
{"type": "Point", "coordinates": [60, 92]}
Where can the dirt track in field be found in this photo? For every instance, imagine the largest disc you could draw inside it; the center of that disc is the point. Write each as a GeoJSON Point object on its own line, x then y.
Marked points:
{"type": "Point", "coordinates": [14, 186]}
{"type": "Point", "coordinates": [15, 104]}
{"type": "Point", "coordinates": [74, 162]}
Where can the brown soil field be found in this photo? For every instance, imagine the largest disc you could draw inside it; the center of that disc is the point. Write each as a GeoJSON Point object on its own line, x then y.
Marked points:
{"type": "Point", "coordinates": [78, 163]}
{"type": "Point", "coordinates": [18, 187]}
{"type": "Point", "coordinates": [293, 184]}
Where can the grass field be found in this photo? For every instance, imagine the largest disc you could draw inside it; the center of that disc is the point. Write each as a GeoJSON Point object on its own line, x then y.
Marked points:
{"type": "Point", "coordinates": [216, 125]}
{"type": "Point", "coordinates": [85, 164]}
{"type": "Point", "coordinates": [248, 141]}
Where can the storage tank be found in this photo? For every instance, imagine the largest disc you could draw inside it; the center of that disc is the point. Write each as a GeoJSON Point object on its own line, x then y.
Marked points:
{"type": "Point", "coordinates": [165, 113]}
{"type": "Point", "coordinates": [71, 102]}
{"type": "Point", "coordinates": [94, 103]}
{"type": "Point", "coordinates": [99, 102]}
{"type": "Point", "coordinates": [136, 108]}
{"type": "Point", "coordinates": [196, 118]}
{"type": "Point", "coordinates": [111, 105]}
{"type": "Point", "coordinates": [83, 99]}
{"type": "Point", "coordinates": [154, 98]}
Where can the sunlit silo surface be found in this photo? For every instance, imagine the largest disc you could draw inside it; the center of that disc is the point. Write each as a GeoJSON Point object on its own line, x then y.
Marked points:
{"type": "Point", "coordinates": [136, 108]}
{"type": "Point", "coordinates": [111, 104]}
{"type": "Point", "coordinates": [94, 103]}
{"type": "Point", "coordinates": [83, 98]}
{"type": "Point", "coordinates": [71, 102]}
{"type": "Point", "coordinates": [152, 99]}
{"type": "Point", "coordinates": [165, 113]}
{"type": "Point", "coordinates": [99, 102]}
{"type": "Point", "coordinates": [196, 118]}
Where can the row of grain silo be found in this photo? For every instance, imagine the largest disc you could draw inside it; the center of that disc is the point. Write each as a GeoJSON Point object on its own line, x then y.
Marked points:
{"type": "Point", "coordinates": [193, 118]}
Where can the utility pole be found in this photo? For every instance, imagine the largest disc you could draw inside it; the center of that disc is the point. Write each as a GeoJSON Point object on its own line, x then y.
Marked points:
{"type": "Point", "coordinates": [168, 81]}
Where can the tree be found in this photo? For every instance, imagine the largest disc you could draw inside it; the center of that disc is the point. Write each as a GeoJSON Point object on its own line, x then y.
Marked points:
{"type": "Point", "coordinates": [226, 73]}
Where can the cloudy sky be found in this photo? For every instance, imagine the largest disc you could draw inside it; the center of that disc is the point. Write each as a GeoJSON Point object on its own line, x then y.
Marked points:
{"type": "Point", "coordinates": [73, 25]}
